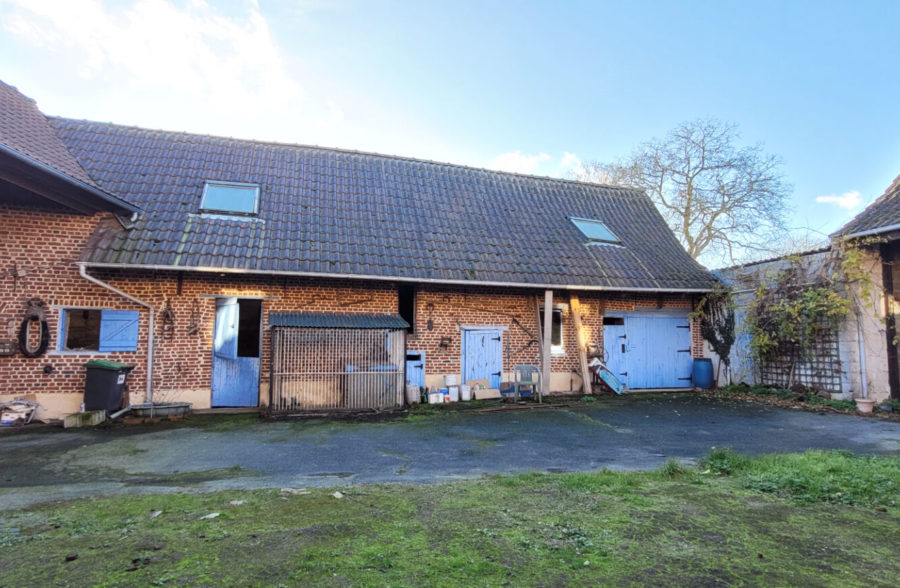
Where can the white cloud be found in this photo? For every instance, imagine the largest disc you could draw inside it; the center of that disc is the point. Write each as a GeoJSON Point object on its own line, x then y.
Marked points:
{"type": "Point", "coordinates": [846, 200]}
{"type": "Point", "coordinates": [570, 162]}
{"type": "Point", "coordinates": [189, 65]}
{"type": "Point", "coordinates": [567, 165]}
{"type": "Point", "coordinates": [518, 162]}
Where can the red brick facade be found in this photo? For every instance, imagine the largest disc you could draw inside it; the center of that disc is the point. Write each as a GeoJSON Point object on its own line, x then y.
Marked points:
{"type": "Point", "coordinates": [39, 251]}
{"type": "Point", "coordinates": [450, 309]}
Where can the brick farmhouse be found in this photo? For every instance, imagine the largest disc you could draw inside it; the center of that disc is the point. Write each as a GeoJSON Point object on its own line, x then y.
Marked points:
{"type": "Point", "coordinates": [177, 253]}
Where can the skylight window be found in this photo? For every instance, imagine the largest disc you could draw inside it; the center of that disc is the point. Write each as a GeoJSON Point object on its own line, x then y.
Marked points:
{"type": "Point", "coordinates": [595, 230]}
{"type": "Point", "coordinates": [230, 198]}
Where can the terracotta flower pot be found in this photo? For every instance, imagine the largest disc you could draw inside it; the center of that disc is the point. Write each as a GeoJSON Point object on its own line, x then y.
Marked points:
{"type": "Point", "coordinates": [864, 405]}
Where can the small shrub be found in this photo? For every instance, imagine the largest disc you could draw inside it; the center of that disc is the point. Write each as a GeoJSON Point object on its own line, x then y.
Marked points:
{"type": "Point", "coordinates": [838, 404]}
{"type": "Point", "coordinates": [761, 390]}
{"type": "Point", "coordinates": [673, 469]}
{"type": "Point", "coordinates": [786, 394]}
{"type": "Point", "coordinates": [893, 404]}
{"type": "Point", "coordinates": [724, 461]}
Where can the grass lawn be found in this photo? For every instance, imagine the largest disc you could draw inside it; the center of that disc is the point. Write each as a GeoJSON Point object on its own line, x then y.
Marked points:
{"type": "Point", "coordinates": [816, 519]}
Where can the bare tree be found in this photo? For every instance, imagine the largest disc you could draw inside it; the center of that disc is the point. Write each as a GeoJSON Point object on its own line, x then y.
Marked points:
{"type": "Point", "coordinates": [795, 241]}
{"type": "Point", "coordinates": [720, 199]}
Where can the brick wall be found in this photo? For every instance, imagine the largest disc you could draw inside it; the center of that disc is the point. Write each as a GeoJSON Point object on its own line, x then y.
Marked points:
{"type": "Point", "coordinates": [183, 361]}
{"type": "Point", "coordinates": [451, 309]}
{"type": "Point", "coordinates": [38, 251]}
{"type": "Point", "coordinates": [184, 351]}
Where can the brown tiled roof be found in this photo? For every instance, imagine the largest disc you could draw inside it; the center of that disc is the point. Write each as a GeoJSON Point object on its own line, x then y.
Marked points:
{"type": "Point", "coordinates": [333, 212]}
{"type": "Point", "coordinates": [882, 213]}
{"type": "Point", "coordinates": [24, 128]}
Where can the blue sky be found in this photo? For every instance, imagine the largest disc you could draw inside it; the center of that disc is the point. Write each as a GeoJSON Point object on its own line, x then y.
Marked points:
{"type": "Point", "coordinates": [525, 86]}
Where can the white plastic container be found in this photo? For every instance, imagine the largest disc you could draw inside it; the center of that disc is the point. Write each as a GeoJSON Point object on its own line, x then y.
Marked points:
{"type": "Point", "coordinates": [453, 393]}
{"type": "Point", "coordinates": [412, 394]}
{"type": "Point", "coordinates": [465, 393]}
{"type": "Point", "coordinates": [450, 380]}
{"type": "Point", "coordinates": [435, 398]}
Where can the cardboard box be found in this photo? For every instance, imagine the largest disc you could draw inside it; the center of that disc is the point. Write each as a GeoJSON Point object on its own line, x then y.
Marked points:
{"type": "Point", "coordinates": [486, 393]}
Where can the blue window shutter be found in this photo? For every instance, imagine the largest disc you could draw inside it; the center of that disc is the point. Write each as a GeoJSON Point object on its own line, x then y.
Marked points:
{"type": "Point", "coordinates": [119, 330]}
{"type": "Point", "coordinates": [61, 332]}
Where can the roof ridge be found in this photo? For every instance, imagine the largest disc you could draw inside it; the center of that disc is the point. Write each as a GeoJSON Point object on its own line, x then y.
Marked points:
{"type": "Point", "coordinates": [892, 192]}
{"type": "Point", "coordinates": [354, 152]}
{"type": "Point", "coordinates": [803, 253]}
{"type": "Point", "coordinates": [20, 92]}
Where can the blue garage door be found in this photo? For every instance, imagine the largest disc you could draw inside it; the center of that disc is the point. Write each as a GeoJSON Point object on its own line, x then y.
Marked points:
{"type": "Point", "coordinates": [646, 350]}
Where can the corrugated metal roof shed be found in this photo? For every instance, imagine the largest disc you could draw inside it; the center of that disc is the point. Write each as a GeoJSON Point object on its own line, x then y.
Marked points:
{"type": "Point", "coordinates": [327, 320]}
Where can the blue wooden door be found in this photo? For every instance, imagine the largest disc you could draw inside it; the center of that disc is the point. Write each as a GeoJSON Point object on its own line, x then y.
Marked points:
{"type": "Point", "coordinates": [650, 351]}
{"type": "Point", "coordinates": [679, 329]}
{"type": "Point", "coordinates": [235, 379]}
{"type": "Point", "coordinates": [614, 343]}
{"type": "Point", "coordinates": [415, 368]}
{"type": "Point", "coordinates": [482, 355]}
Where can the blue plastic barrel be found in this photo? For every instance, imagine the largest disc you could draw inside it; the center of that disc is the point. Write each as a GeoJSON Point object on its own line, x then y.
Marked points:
{"type": "Point", "coordinates": [702, 374]}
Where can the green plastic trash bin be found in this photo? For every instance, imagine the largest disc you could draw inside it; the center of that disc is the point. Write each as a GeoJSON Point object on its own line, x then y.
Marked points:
{"type": "Point", "coordinates": [104, 385]}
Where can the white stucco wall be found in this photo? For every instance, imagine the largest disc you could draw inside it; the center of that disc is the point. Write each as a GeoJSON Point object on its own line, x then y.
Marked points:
{"type": "Point", "coordinates": [867, 314]}
{"type": "Point", "coordinates": [870, 313]}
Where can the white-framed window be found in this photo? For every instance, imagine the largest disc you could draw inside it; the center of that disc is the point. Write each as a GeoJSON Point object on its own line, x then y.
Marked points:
{"type": "Point", "coordinates": [556, 331]}
{"type": "Point", "coordinates": [595, 230]}
{"type": "Point", "coordinates": [230, 198]}
{"type": "Point", "coordinates": [97, 329]}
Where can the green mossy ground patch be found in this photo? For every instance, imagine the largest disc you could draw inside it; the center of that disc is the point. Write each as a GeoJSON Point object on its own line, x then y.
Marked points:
{"type": "Point", "coordinates": [676, 526]}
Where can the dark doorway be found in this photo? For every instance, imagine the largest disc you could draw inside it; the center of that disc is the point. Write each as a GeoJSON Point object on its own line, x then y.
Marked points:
{"type": "Point", "coordinates": [406, 304]}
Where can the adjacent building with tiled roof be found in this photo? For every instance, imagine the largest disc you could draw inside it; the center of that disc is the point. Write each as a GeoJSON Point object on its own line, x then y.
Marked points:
{"type": "Point", "coordinates": [231, 234]}
{"type": "Point", "coordinates": [882, 216]}
{"type": "Point", "coordinates": [35, 160]}
{"type": "Point", "coordinates": [876, 230]}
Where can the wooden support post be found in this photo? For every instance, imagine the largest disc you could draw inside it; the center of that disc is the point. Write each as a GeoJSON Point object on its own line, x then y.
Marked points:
{"type": "Point", "coordinates": [540, 327]}
{"type": "Point", "coordinates": [547, 338]}
{"type": "Point", "coordinates": [582, 348]}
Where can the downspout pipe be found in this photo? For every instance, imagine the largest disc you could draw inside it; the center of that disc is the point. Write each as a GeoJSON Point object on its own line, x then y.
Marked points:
{"type": "Point", "coordinates": [864, 386]}
{"type": "Point", "coordinates": [82, 270]}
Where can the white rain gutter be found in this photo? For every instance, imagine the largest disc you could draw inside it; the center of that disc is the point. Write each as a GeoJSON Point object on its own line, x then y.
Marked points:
{"type": "Point", "coordinates": [82, 270]}
{"type": "Point", "coordinates": [872, 232]}
{"type": "Point", "coordinates": [220, 270]}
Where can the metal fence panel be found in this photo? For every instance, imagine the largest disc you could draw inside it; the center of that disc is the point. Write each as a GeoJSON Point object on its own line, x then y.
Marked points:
{"type": "Point", "coordinates": [336, 369]}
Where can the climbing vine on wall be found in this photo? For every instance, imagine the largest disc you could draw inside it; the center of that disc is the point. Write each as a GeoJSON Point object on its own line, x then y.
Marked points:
{"type": "Point", "coordinates": [854, 272]}
{"type": "Point", "coordinates": [791, 312]}
{"type": "Point", "coordinates": [716, 312]}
